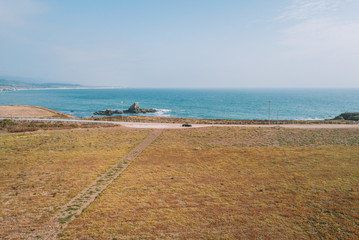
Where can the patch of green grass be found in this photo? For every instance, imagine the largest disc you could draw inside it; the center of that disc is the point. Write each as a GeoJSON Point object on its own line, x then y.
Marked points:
{"type": "Point", "coordinates": [65, 219]}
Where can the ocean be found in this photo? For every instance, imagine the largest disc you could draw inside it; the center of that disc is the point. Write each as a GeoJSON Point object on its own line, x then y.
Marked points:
{"type": "Point", "coordinates": [289, 104]}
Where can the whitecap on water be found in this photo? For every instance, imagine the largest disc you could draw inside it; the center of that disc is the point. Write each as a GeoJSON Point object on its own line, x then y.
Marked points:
{"type": "Point", "coordinates": [163, 112]}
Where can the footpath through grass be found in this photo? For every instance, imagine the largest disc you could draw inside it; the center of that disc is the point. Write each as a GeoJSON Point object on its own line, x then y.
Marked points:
{"type": "Point", "coordinates": [233, 183]}
{"type": "Point", "coordinates": [39, 172]}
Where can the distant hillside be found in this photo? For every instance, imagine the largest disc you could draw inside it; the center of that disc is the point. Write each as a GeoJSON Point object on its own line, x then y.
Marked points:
{"type": "Point", "coordinates": [11, 84]}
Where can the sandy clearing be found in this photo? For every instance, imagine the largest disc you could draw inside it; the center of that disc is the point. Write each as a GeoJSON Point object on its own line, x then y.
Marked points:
{"type": "Point", "coordinates": [24, 111]}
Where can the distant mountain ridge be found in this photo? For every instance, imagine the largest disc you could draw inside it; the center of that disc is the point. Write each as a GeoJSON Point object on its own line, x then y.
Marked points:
{"type": "Point", "coordinates": [14, 84]}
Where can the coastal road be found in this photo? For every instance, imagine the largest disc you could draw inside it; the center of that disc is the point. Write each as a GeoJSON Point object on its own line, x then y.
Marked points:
{"type": "Point", "coordinates": [179, 126]}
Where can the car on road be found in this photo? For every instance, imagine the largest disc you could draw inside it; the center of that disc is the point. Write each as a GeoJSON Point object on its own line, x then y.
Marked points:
{"type": "Point", "coordinates": [186, 125]}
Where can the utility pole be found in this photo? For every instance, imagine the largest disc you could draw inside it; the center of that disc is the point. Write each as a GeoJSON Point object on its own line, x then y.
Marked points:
{"type": "Point", "coordinates": [269, 112]}
{"type": "Point", "coordinates": [122, 110]}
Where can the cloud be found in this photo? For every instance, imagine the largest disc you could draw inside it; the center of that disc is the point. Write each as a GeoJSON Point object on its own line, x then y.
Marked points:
{"type": "Point", "coordinates": [319, 43]}
{"type": "Point", "coordinates": [319, 28]}
{"type": "Point", "coordinates": [305, 9]}
{"type": "Point", "coordinates": [323, 35]}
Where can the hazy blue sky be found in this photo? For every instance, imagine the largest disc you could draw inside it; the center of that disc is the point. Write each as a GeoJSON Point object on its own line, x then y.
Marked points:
{"type": "Point", "coordinates": [183, 43]}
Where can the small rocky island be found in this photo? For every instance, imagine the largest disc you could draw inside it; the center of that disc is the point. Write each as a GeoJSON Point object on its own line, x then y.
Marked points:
{"type": "Point", "coordinates": [134, 108]}
{"type": "Point", "coordinates": [353, 116]}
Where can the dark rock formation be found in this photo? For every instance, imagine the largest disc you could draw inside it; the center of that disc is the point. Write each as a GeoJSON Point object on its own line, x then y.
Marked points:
{"type": "Point", "coordinates": [107, 112]}
{"type": "Point", "coordinates": [134, 108]}
{"type": "Point", "coordinates": [353, 116]}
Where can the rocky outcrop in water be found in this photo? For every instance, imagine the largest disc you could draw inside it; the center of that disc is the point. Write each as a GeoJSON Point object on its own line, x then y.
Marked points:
{"type": "Point", "coordinates": [353, 116]}
{"type": "Point", "coordinates": [107, 112]}
{"type": "Point", "coordinates": [134, 108]}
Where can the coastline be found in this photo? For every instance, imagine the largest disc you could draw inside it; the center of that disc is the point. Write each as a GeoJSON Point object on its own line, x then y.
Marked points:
{"type": "Point", "coordinates": [65, 88]}
{"type": "Point", "coordinates": [39, 112]}
{"type": "Point", "coordinates": [196, 104]}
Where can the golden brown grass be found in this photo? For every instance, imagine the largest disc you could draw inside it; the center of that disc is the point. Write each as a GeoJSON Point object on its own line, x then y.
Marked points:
{"type": "Point", "coordinates": [233, 183]}
{"type": "Point", "coordinates": [39, 172]}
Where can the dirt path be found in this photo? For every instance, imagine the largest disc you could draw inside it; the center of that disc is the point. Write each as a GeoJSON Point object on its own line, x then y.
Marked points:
{"type": "Point", "coordinates": [74, 208]}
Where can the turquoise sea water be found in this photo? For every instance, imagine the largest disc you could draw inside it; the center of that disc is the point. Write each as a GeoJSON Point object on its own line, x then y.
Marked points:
{"type": "Point", "coordinates": [196, 103]}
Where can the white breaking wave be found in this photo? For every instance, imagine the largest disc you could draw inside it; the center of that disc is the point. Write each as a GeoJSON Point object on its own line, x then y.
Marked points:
{"type": "Point", "coordinates": [308, 119]}
{"type": "Point", "coordinates": [163, 112]}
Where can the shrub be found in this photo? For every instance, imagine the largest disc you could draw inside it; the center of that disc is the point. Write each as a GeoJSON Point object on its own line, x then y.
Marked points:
{"type": "Point", "coordinates": [354, 118]}
{"type": "Point", "coordinates": [5, 123]}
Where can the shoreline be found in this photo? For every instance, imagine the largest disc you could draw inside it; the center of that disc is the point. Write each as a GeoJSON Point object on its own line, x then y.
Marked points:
{"type": "Point", "coordinates": [37, 112]}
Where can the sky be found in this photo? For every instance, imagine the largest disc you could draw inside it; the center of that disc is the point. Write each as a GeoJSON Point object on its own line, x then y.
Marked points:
{"type": "Point", "coordinates": [182, 43]}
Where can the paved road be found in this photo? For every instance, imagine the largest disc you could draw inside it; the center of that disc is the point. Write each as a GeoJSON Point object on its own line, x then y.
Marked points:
{"type": "Point", "coordinates": [176, 125]}
{"type": "Point", "coordinates": [126, 124]}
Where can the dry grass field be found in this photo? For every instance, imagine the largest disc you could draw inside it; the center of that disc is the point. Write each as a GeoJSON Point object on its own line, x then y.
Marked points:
{"type": "Point", "coordinates": [233, 183]}
{"type": "Point", "coordinates": [225, 182]}
{"type": "Point", "coordinates": [41, 171]}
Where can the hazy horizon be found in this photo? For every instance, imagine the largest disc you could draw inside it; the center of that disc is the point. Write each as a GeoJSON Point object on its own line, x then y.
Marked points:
{"type": "Point", "coordinates": [182, 44]}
